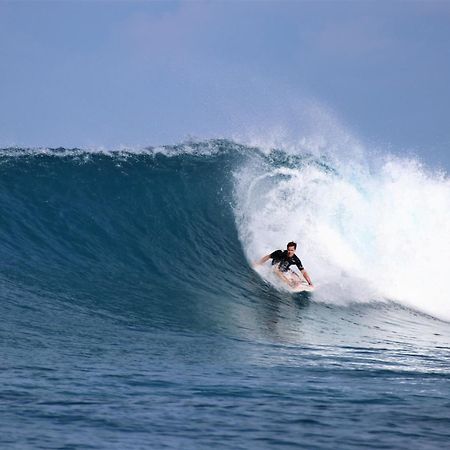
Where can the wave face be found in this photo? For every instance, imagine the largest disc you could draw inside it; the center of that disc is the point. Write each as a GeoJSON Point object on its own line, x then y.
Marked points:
{"type": "Point", "coordinates": [124, 229]}
{"type": "Point", "coordinates": [128, 275]}
{"type": "Point", "coordinates": [177, 221]}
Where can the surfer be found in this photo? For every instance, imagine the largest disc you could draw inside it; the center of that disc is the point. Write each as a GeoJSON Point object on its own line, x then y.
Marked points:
{"type": "Point", "coordinates": [282, 260]}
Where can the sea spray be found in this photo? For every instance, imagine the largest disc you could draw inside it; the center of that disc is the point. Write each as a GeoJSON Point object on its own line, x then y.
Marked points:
{"type": "Point", "coordinates": [376, 231]}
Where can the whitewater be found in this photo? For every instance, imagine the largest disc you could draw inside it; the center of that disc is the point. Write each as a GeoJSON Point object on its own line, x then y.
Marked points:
{"type": "Point", "coordinates": [133, 317]}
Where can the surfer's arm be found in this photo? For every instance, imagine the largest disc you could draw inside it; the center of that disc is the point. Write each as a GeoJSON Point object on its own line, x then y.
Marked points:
{"type": "Point", "coordinates": [262, 260]}
{"type": "Point", "coordinates": [305, 274]}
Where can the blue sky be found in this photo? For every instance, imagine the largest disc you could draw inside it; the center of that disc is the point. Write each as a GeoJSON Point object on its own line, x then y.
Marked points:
{"type": "Point", "coordinates": [146, 73]}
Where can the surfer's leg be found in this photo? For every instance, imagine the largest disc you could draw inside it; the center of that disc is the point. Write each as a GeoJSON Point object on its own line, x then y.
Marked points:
{"type": "Point", "coordinates": [293, 280]}
{"type": "Point", "coordinates": [301, 279]}
{"type": "Point", "coordinates": [284, 276]}
{"type": "Point", "coordinates": [295, 277]}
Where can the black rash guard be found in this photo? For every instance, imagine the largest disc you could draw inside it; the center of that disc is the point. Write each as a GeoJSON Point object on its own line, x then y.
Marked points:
{"type": "Point", "coordinates": [284, 262]}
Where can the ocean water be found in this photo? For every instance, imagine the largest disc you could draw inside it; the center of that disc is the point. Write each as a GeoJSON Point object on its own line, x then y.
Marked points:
{"type": "Point", "coordinates": [132, 317]}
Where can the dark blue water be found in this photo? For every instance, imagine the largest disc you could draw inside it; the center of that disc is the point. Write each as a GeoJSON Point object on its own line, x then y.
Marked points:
{"type": "Point", "coordinates": [131, 318]}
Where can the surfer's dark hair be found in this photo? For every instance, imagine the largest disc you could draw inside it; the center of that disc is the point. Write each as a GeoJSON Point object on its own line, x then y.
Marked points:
{"type": "Point", "coordinates": [291, 244]}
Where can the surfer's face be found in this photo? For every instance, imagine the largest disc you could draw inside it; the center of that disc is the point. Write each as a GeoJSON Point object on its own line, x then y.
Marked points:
{"type": "Point", "coordinates": [290, 251]}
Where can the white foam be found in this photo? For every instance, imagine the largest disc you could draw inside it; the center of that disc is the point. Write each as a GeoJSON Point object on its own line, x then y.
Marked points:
{"type": "Point", "coordinates": [190, 147]}
{"type": "Point", "coordinates": [364, 234]}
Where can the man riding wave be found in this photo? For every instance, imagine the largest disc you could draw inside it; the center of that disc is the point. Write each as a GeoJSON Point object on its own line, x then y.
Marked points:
{"type": "Point", "coordinates": [282, 260]}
